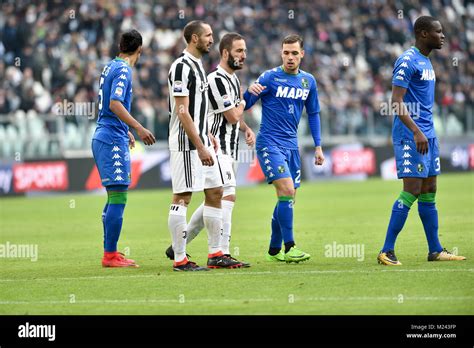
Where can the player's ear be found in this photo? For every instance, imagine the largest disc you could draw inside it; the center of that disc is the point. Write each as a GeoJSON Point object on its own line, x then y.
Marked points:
{"type": "Point", "coordinates": [302, 53]}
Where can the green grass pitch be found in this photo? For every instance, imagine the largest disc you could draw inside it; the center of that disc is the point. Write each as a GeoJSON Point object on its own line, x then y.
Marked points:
{"type": "Point", "coordinates": [67, 278]}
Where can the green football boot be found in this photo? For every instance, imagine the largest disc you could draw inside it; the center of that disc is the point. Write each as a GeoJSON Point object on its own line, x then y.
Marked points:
{"type": "Point", "coordinates": [296, 255]}
{"type": "Point", "coordinates": [280, 257]}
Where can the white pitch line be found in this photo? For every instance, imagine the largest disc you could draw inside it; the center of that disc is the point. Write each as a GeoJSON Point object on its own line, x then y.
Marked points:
{"type": "Point", "coordinates": [214, 301]}
{"type": "Point", "coordinates": [240, 273]}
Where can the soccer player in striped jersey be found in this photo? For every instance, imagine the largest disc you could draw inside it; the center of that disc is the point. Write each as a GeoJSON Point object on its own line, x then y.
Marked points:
{"type": "Point", "coordinates": [225, 121]}
{"type": "Point", "coordinates": [111, 141]}
{"type": "Point", "coordinates": [414, 141]}
{"type": "Point", "coordinates": [193, 161]}
{"type": "Point", "coordinates": [284, 92]}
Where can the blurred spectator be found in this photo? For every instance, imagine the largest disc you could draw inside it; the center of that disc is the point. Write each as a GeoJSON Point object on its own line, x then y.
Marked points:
{"type": "Point", "coordinates": [54, 51]}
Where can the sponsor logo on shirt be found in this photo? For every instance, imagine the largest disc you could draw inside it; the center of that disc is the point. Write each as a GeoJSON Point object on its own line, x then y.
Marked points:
{"type": "Point", "coordinates": [118, 91]}
{"type": "Point", "coordinates": [178, 86]}
{"type": "Point", "coordinates": [294, 93]}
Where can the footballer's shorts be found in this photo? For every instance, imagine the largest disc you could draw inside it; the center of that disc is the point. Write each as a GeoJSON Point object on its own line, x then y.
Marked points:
{"type": "Point", "coordinates": [412, 164]}
{"type": "Point", "coordinates": [279, 162]}
{"type": "Point", "coordinates": [113, 162]}
{"type": "Point", "coordinates": [189, 175]}
{"type": "Point", "coordinates": [228, 165]}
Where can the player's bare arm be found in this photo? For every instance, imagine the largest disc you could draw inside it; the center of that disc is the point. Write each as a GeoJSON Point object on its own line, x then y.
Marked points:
{"type": "Point", "coordinates": [249, 134]}
{"type": "Point", "coordinates": [397, 103]}
{"type": "Point", "coordinates": [182, 105]}
{"type": "Point", "coordinates": [235, 114]}
{"type": "Point", "coordinates": [145, 135]}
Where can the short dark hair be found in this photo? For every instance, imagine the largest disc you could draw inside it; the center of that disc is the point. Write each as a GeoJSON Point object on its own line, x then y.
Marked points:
{"type": "Point", "coordinates": [289, 39]}
{"type": "Point", "coordinates": [193, 27]}
{"type": "Point", "coordinates": [228, 40]}
{"type": "Point", "coordinates": [130, 41]}
{"type": "Point", "coordinates": [423, 23]}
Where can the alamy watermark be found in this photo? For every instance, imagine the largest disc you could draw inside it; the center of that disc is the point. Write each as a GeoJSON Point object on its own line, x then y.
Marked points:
{"type": "Point", "coordinates": [79, 109]}
{"type": "Point", "coordinates": [345, 250]}
{"type": "Point", "coordinates": [390, 108]}
{"type": "Point", "coordinates": [26, 251]}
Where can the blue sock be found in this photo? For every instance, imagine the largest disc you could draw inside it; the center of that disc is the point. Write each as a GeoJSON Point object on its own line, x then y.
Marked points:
{"type": "Point", "coordinates": [276, 238]}
{"type": "Point", "coordinates": [114, 217]}
{"type": "Point", "coordinates": [429, 218]}
{"type": "Point", "coordinates": [400, 210]}
{"type": "Point", "coordinates": [285, 218]}
{"type": "Point", "coordinates": [104, 212]}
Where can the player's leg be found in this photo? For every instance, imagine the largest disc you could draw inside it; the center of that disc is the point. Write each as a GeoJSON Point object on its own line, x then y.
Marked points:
{"type": "Point", "coordinates": [114, 173]}
{"type": "Point", "coordinates": [186, 177]}
{"type": "Point", "coordinates": [408, 161]}
{"type": "Point", "coordinates": [212, 215]}
{"type": "Point", "coordinates": [292, 253]}
{"type": "Point", "coordinates": [427, 209]}
{"type": "Point", "coordinates": [228, 202]}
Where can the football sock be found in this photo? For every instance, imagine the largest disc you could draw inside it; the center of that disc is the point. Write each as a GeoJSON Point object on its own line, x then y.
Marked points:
{"type": "Point", "coordinates": [213, 221]}
{"type": "Point", "coordinates": [429, 218]}
{"type": "Point", "coordinates": [227, 207]}
{"type": "Point", "coordinates": [288, 246]}
{"type": "Point", "coordinates": [276, 238]}
{"type": "Point", "coordinates": [285, 217]}
{"type": "Point", "coordinates": [177, 227]}
{"type": "Point", "coordinates": [400, 210]}
{"type": "Point", "coordinates": [117, 199]}
{"type": "Point", "coordinates": [104, 212]}
{"type": "Point", "coordinates": [196, 224]}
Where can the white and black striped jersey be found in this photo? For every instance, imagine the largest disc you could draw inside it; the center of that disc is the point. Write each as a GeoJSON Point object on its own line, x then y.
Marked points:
{"type": "Point", "coordinates": [224, 94]}
{"type": "Point", "coordinates": [187, 78]}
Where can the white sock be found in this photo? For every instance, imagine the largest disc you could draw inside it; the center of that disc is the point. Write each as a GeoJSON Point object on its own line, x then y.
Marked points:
{"type": "Point", "coordinates": [196, 224]}
{"type": "Point", "coordinates": [227, 207]}
{"type": "Point", "coordinates": [213, 221]}
{"type": "Point", "coordinates": [177, 226]}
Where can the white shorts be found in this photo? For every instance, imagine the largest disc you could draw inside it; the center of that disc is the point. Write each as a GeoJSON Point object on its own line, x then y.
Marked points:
{"type": "Point", "coordinates": [229, 169]}
{"type": "Point", "coordinates": [189, 175]}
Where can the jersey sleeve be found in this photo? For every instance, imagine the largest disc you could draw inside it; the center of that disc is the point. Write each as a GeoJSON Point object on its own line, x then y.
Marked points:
{"type": "Point", "coordinates": [220, 94]}
{"type": "Point", "coordinates": [312, 108]}
{"type": "Point", "coordinates": [312, 102]}
{"type": "Point", "coordinates": [403, 71]}
{"type": "Point", "coordinates": [264, 80]}
{"type": "Point", "coordinates": [179, 78]}
{"type": "Point", "coordinates": [121, 83]}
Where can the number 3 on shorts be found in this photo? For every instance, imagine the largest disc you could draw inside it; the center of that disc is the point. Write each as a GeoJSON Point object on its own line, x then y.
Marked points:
{"type": "Point", "coordinates": [438, 166]}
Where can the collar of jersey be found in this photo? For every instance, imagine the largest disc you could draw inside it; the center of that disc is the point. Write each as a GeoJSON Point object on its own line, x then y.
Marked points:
{"type": "Point", "coordinates": [221, 69]}
{"type": "Point", "coordinates": [283, 69]}
{"type": "Point", "coordinates": [188, 54]}
{"type": "Point", "coordinates": [416, 49]}
{"type": "Point", "coordinates": [123, 60]}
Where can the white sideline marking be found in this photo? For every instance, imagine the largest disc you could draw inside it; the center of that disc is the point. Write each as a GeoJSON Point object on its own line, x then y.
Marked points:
{"type": "Point", "coordinates": [219, 301]}
{"type": "Point", "coordinates": [239, 272]}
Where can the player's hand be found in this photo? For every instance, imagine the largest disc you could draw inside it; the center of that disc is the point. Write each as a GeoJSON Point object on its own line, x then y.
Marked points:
{"type": "Point", "coordinates": [249, 137]}
{"type": "Point", "coordinates": [318, 156]}
{"type": "Point", "coordinates": [421, 142]}
{"type": "Point", "coordinates": [145, 135]}
{"type": "Point", "coordinates": [131, 140]}
{"type": "Point", "coordinates": [214, 142]}
{"type": "Point", "coordinates": [205, 157]}
{"type": "Point", "coordinates": [256, 89]}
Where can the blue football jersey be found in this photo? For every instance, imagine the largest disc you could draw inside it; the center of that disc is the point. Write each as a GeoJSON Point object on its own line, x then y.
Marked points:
{"type": "Point", "coordinates": [283, 101]}
{"type": "Point", "coordinates": [115, 84]}
{"type": "Point", "coordinates": [414, 72]}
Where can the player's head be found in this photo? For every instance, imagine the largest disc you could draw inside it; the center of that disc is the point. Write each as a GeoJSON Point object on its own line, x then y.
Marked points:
{"type": "Point", "coordinates": [428, 30]}
{"type": "Point", "coordinates": [198, 34]}
{"type": "Point", "coordinates": [233, 50]}
{"type": "Point", "coordinates": [131, 46]}
{"type": "Point", "coordinates": [292, 52]}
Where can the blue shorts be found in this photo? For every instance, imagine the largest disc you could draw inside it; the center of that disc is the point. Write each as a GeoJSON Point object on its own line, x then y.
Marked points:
{"type": "Point", "coordinates": [412, 164]}
{"type": "Point", "coordinates": [113, 162]}
{"type": "Point", "coordinates": [278, 162]}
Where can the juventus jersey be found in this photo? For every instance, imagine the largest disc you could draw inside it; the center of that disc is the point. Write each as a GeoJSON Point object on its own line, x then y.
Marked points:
{"type": "Point", "coordinates": [187, 78]}
{"type": "Point", "coordinates": [224, 94]}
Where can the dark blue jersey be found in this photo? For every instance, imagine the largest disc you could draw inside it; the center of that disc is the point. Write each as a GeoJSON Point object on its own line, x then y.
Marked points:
{"type": "Point", "coordinates": [283, 101]}
{"type": "Point", "coordinates": [414, 72]}
{"type": "Point", "coordinates": [115, 84]}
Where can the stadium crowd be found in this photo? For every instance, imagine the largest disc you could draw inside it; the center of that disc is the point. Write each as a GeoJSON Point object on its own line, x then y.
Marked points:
{"type": "Point", "coordinates": [54, 51]}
